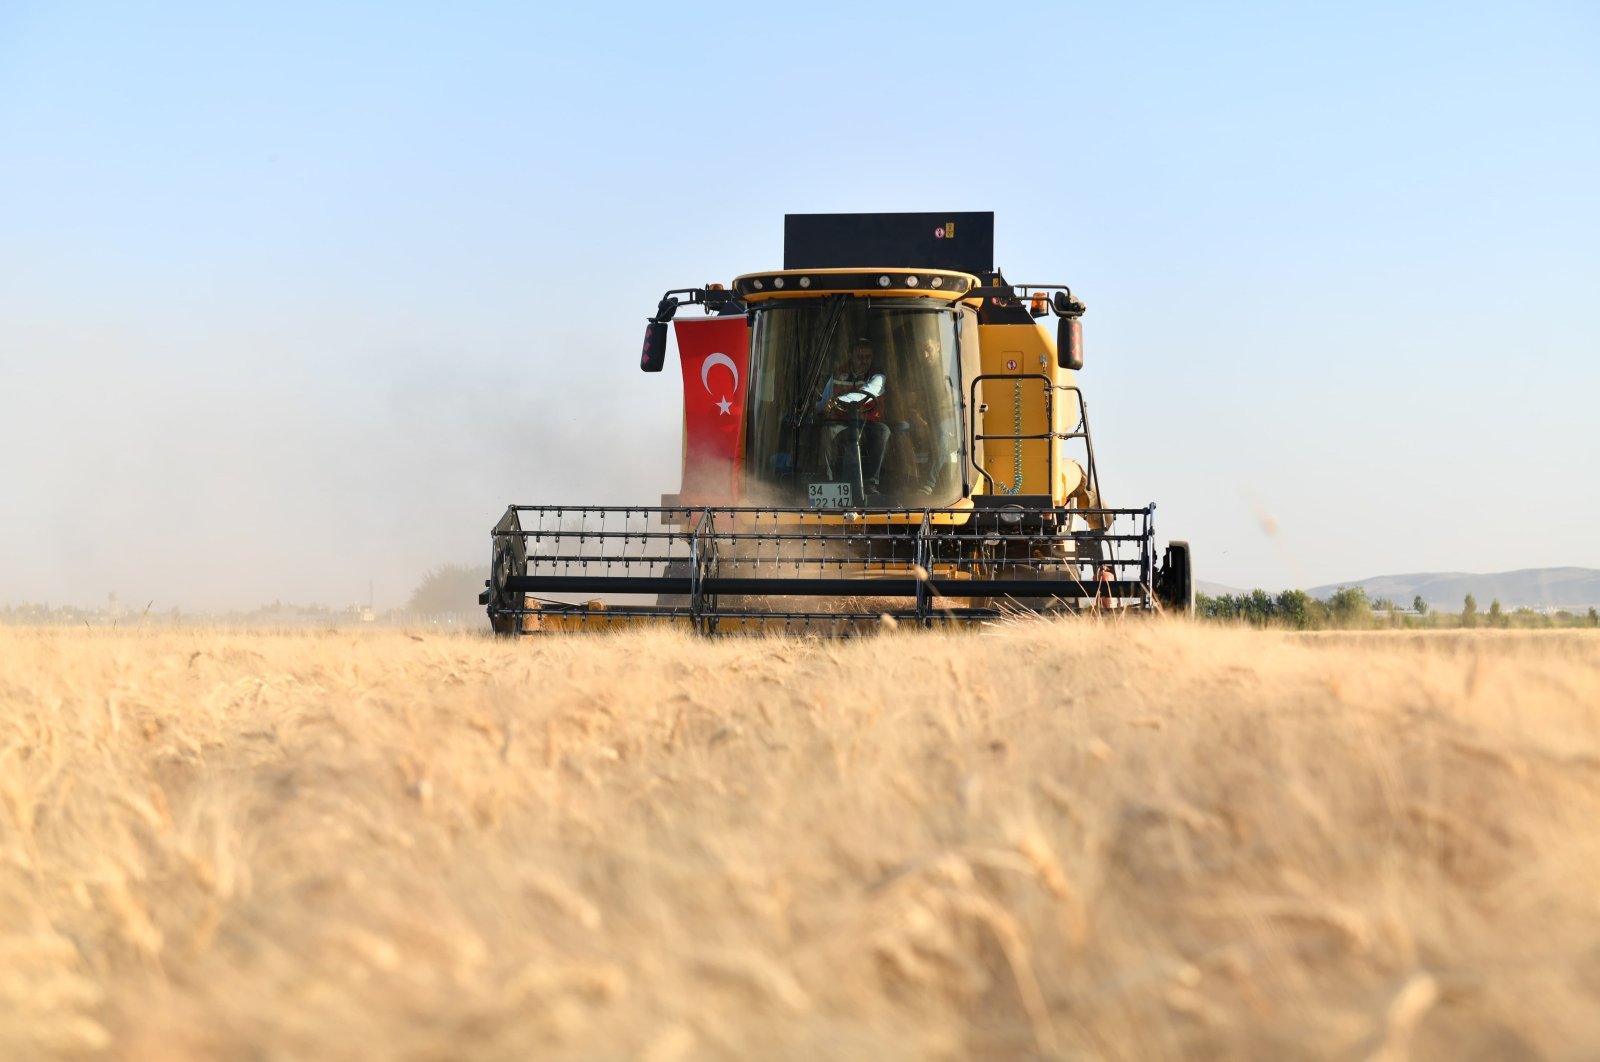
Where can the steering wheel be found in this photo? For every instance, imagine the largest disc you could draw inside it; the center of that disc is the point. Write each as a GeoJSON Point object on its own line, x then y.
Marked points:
{"type": "Point", "coordinates": [864, 404]}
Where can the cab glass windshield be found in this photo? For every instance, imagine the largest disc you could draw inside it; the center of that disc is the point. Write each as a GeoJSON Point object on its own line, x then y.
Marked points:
{"type": "Point", "coordinates": [854, 404]}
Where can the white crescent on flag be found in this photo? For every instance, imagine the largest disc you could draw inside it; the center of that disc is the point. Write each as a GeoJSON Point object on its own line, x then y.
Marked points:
{"type": "Point", "coordinates": [713, 361]}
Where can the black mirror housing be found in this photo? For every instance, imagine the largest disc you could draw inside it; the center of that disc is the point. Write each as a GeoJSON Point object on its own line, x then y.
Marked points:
{"type": "Point", "coordinates": [654, 355]}
{"type": "Point", "coordinates": [1069, 342]}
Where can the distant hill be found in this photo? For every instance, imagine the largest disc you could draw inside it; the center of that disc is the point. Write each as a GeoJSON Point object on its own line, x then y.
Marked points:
{"type": "Point", "coordinates": [1537, 588]}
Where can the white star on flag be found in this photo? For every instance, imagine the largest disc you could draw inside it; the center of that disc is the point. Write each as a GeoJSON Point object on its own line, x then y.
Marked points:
{"type": "Point", "coordinates": [724, 407]}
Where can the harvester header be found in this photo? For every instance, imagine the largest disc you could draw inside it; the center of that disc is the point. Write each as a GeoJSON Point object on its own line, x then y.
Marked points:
{"type": "Point", "coordinates": [881, 428]}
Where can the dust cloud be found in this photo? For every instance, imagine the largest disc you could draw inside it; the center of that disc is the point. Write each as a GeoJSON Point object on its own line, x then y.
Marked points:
{"type": "Point", "coordinates": [226, 482]}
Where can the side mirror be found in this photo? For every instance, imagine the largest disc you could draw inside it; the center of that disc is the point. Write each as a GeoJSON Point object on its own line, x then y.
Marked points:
{"type": "Point", "coordinates": [1069, 343]}
{"type": "Point", "coordinates": [1069, 329]}
{"type": "Point", "coordinates": [655, 347]}
{"type": "Point", "coordinates": [655, 336]}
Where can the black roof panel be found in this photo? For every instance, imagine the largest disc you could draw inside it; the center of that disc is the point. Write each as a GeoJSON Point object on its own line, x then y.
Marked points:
{"type": "Point", "coordinates": [961, 241]}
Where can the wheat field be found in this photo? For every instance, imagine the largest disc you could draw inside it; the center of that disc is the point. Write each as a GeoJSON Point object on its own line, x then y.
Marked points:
{"type": "Point", "coordinates": [1037, 840]}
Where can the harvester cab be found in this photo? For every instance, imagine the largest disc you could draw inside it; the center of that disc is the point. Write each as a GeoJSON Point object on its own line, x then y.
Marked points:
{"type": "Point", "coordinates": [862, 441]}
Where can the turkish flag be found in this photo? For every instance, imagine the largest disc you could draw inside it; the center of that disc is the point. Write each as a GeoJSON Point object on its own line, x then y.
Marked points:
{"type": "Point", "coordinates": [715, 352]}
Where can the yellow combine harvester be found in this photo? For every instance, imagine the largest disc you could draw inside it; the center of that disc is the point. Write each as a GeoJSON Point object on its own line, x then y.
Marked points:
{"type": "Point", "coordinates": [883, 428]}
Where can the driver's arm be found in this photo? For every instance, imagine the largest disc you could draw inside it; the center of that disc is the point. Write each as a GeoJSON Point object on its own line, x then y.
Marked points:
{"type": "Point", "coordinates": [827, 397]}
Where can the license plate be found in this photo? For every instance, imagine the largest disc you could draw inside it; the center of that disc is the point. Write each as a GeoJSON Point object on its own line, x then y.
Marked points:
{"type": "Point", "coordinates": [829, 495]}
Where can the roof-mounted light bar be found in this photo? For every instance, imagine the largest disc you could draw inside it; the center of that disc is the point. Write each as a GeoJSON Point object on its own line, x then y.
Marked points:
{"type": "Point", "coordinates": [917, 281]}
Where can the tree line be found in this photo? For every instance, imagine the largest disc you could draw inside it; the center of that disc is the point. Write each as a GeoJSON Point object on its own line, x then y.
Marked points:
{"type": "Point", "coordinates": [1349, 608]}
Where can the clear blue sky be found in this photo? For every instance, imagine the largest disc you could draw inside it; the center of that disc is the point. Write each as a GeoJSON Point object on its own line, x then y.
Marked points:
{"type": "Point", "coordinates": [296, 296]}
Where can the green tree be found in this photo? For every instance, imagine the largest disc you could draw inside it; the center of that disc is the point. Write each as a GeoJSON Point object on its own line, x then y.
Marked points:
{"type": "Point", "coordinates": [1294, 608]}
{"type": "Point", "coordinates": [448, 590]}
{"type": "Point", "coordinates": [1594, 618]}
{"type": "Point", "coordinates": [1469, 612]}
{"type": "Point", "coordinates": [1497, 616]}
{"type": "Point", "coordinates": [1258, 607]}
{"type": "Point", "coordinates": [1419, 606]}
{"type": "Point", "coordinates": [1349, 607]}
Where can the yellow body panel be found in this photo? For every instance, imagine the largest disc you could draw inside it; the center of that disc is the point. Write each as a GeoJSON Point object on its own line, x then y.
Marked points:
{"type": "Point", "coordinates": [594, 618]}
{"type": "Point", "coordinates": [1024, 467]}
{"type": "Point", "coordinates": [830, 518]}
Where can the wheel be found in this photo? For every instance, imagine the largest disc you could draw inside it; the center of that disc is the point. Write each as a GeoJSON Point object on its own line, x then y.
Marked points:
{"type": "Point", "coordinates": [1175, 580]}
{"type": "Point", "coordinates": [510, 559]}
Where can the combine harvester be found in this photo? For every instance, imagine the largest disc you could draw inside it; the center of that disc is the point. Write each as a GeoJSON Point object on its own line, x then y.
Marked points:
{"type": "Point", "coordinates": [882, 428]}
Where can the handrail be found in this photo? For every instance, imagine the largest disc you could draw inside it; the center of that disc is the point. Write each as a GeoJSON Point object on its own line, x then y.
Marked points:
{"type": "Point", "coordinates": [974, 437]}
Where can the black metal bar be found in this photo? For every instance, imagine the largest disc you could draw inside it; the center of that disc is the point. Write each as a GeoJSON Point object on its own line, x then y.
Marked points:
{"type": "Point", "coordinates": [1024, 438]}
{"type": "Point", "coordinates": [781, 587]}
{"type": "Point", "coordinates": [703, 549]}
{"type": "Point", "coordinates": [763, 510]}
{"type": "Point", "coordinates": [600, 584]}
{"type": "Point", "coordinates": [729, 539]}
{"type": "Point", "coordinates": [1147, 553]}
{"type": "Point", "coordinates": [649, 611]}
{"type": "Point", "coordinates": [924, 599]}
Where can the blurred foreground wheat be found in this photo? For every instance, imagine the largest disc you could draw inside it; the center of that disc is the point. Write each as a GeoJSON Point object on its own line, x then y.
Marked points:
{"type": "Point", "coordinates": [1036, 841]}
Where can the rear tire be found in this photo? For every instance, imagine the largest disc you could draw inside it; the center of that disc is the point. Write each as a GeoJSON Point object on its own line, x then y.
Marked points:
{"type": "Point", "coordinates": [1175, 580]}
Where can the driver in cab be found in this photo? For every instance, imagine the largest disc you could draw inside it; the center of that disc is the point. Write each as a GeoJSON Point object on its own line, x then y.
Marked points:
{"type": "Point", "coordinates": [854, 387]}
{"type": "Point", "coordinates": [852, 396]}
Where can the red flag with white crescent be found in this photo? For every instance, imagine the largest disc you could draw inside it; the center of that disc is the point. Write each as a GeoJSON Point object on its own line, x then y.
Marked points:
{"type": "Point", "coordinates": [715, 352]}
